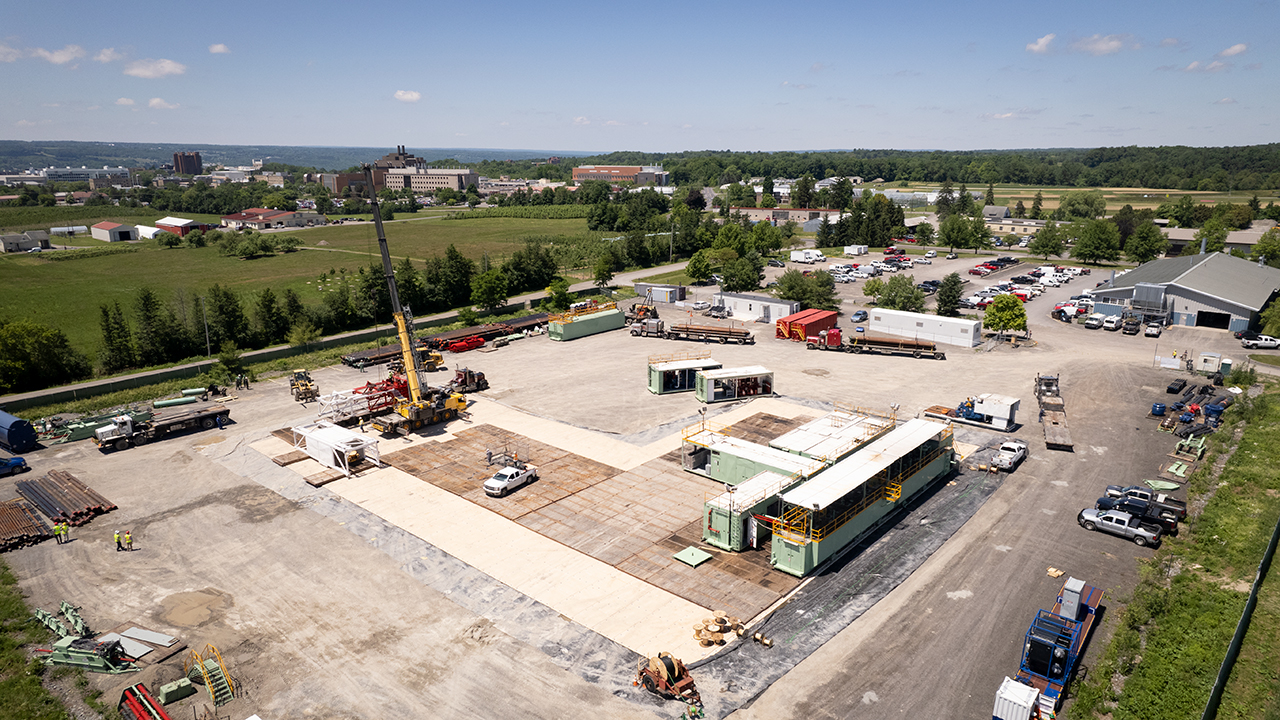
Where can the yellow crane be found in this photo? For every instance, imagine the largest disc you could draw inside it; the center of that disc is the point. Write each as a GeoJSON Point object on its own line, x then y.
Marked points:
{"type": "Point", "coordinates": [425, 404]}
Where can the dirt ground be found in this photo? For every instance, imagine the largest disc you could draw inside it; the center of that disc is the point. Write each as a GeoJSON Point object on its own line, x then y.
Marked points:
{"type": "Point", "coordinates": [321, 614]}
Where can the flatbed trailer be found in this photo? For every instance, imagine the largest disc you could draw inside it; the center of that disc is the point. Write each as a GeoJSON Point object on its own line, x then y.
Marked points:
{"type": "Point", "coordinates": [125, 432]}
{"type": "Point", "coordinates": [705, 333]}
{"type": "Point", "coordinates": [834, 339]}
{"type": "Point", "coordinates": [1053, 413]}
{"type": "Point", "coordinates": [1055, 641]}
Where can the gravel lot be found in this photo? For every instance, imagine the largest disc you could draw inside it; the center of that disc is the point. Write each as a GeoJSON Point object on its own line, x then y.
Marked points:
{"type": "Point", "coordinates": [321, 615]}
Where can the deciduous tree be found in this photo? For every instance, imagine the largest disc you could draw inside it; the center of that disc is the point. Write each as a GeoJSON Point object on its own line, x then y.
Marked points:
{"type": "Point", "coordinates": [1005, 312]}
{"type": "Point", "coordinates": [813, 291]}
{"type": "Point", "coordinates": [1146, 243]}
{"type": "Point", "coordinates": [1096, 241]}
{"type": "Point", "coordinates": [901, 293]}
{"type": "Point", "coordinates": [489, 290]}
{"type": "Point", "coordinates": [1048, 241]}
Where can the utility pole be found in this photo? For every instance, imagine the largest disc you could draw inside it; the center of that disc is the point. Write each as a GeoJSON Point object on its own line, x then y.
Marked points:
{"type": "Point", "coordinates": [208, 351]}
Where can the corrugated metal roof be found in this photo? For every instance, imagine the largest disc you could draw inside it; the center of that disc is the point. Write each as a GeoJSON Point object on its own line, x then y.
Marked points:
{"type": "Point", "coordinates": [828, 435]}
{"type": "Point", "coordinates": [1219, 275]}
{"type": "Point", "coordinates": [755, 452]}
{"type": "Point", "coordinates": [747, 371]}
{"type": "Point", "coordinates": [685, 364]}
{"type": "Point", "coordinates": [751, 491]}
{"type": "Point", "coordinates": [851, 473]}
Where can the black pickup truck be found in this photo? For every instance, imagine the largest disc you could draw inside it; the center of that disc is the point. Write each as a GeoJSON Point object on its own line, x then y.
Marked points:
{"type": "Point", "coordinates": [1142, 509]}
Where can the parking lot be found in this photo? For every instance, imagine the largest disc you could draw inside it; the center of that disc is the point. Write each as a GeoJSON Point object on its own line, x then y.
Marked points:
{"type": "Point", "coordinates": [316, 596]}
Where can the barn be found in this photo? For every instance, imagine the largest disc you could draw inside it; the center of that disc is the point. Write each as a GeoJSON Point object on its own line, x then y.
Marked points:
{"type": "Point", "coordinates": [113, 232]}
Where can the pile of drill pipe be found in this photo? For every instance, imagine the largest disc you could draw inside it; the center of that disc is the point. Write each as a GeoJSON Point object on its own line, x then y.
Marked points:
{"type": "Point", "coordinates": [21, 525]}
{"type": "Point", "coordinates": [63, 498]}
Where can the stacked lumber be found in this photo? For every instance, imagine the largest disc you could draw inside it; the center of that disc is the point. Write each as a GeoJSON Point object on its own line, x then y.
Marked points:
{"type": "Point", "coordinates": [63, 498]}
{"type": "Point", "coordinates": [21, 525]}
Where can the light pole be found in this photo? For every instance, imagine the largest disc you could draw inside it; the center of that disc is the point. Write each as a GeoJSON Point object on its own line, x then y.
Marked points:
{"type": "Point", "coordinates": [208, 351]}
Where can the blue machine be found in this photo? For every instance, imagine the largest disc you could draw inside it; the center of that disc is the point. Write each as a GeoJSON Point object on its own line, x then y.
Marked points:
{"type": "Point", "coordinates": [966, 412]}
{"type": "Point", "coordinates": [1054, 641]}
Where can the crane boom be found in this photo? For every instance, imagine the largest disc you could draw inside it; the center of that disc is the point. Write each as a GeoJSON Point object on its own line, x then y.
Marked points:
{"type": "Point", "coordinates": [399, 313]}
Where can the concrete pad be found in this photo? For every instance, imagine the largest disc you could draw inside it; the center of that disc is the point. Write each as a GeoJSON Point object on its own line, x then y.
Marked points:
{"type": "Point", "coordinates": [625, 609]}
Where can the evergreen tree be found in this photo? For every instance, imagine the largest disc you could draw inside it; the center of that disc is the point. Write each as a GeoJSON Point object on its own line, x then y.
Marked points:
{"type": "Point", "coordinates": [293, 308]}
{"type": "Point", "coordinates": [149, 322]}
{"type": "Point", "coordinates": [802, 192]}
{"type": "Point", "coordinates": [1037, 206]}
{"type": "Point", "coordinates": [826, 235]}
{"type": "Point", "coordinates": [456, 273]}
{"type": "Point", "coordinates": [991, 194]}
{"type": "Point", "coordinates": [946, 200]}
{"type": "Point", "coordinates": [269, 317]}
{"type": "Point", "coordinates": [117, 341]}
{"type": "Point", "coordinates": [1019, 210]}
{"type": "Point", "coordinates": [227, 321]}
{"type": "Point", "coordinates": [964, 201]}
{"type": "Point", "coordinates": [948, 298]}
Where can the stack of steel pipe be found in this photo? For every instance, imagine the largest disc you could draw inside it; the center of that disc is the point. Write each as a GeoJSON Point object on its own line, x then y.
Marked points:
{"type": "Point", "coordinates": [21, 525]}
{"type": "Point", "coordinates": [63, 498]}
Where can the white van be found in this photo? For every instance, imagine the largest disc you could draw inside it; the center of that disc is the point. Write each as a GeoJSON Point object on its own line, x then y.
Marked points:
{"type": "Point", "coordinates": [1095, 321]}
{"type": "Point", "coordinates": [1049, 280]}
{"type": "Point", "coordinates": [1112, 322]}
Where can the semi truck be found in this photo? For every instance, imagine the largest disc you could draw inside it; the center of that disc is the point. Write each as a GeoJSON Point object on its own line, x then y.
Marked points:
{"type": "Point", "coordinates": [1052, 646]}
{"type": "Point", "coordinates": [834, 339]}
{"type": "Point", "coordinates": [125, 431]}
{"type": "Point", "coordinates": [705, 333]}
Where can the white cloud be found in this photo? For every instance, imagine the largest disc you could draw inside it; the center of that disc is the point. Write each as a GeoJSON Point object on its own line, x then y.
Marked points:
{"type": "Point", "coordinates": [615, 123]}
{"type": "Point", "coordinates": [1099, 44]}
{"type": "Point", "coordinates": [797, 86]}
{"type": "Point", "coordinates": [1226, 101]}
{"type": "Point", "coordinates": [1194, 66]}
{"type": "Point", "coordinates": [1041, 46]}
{"type": "Point", "coordinates": [160, 104]}
{"type": "Point", "coordinates": [817, 67]}
{"type": "Point", "coordinates": [24, 123]}
{"type": "Point", "coordinates": [152, 69]}
{"type": "Point", "coordinates": [1172, 42]}
{"type": "Point", "coordinates": [1217, 66]}
{"type": "Point", "coordinates": [408, 95]}
{"type": "Point", "coordinates": [124, 101]}
{"type": "Point", "coordinates": [60, 57]}
{"type": "Point", "coordinates": [1234, 50]}
{"type": "Point", "coordinates": [581, 121]}
{"type": "Point", "coordinates": [8, 54]}
{"type": "Point", "coordinates": [219, 49]}
{"type": "Point", "coordinates": [107, 55]}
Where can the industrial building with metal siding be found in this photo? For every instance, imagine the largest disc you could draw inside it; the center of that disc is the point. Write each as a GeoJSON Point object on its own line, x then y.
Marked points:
{"type": "Point", "coordinates": [1213, 290]}
{"type": "Point", "coordinates": [677, 372]}
{"type": "Point", "coordinates": [821, 517]}
{"type": "Point", "coordinates": [731, 520]}
{"type": "Point", "coordinates": [585, 321]}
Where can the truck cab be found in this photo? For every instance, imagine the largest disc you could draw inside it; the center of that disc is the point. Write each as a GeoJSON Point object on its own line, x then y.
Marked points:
{"type": "Point", "coordinates": [119, 431]}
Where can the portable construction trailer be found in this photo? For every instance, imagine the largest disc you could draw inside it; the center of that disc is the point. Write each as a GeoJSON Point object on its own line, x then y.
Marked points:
{"type": "Point", "coordinates": [821, 517]}
{"type": "Point", "coordinates": [800, 326]}
{"type": "Point", "coordinates": [573, 326]}
{"type": "Point", "coordinates": [731, 460]}
{"type": "Point", "coordinates": [833, 436]}
{"type": "Point", "coordinates": [725, 384]}
{"type": "Point", "coordinates": [678, 372]}
{"type": "Point", "coordinates": [942, 330]}
{"type": "Point", "coordinates": [336, 447]}
{"type": "Point", "coordinates": [729, 522]}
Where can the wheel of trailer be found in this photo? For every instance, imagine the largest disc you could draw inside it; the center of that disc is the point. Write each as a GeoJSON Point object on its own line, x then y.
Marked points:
{"type": "Point", "coordinates": [723, 340]}
{"type": "Point", "coordinates": [856, 349]}
{"type": "Point", "coordinates": [940, 356]}
{"type": "Point", "coordinates": [649, 684]}
{"type": "Point", "coordinates": [1139, 541]}
{"type": "Point", "coordinates": [122, 444]}
{"type": "Point", "coordinates": [141, 439]}
{"type": "Point", "coordinates": [671, 336]}
{"type": "Point", "coordinates": [742, 341]}
{"type": "Point", "coordinates": [916, 354]}
{"type": "Point", "coordinates": [1088, 525]}
{"type": "Point", "coordinates": [206, 423]}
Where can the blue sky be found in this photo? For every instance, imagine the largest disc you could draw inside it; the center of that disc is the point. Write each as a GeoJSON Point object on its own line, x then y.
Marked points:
{"type": "Point", "coordinates": [652, 76]}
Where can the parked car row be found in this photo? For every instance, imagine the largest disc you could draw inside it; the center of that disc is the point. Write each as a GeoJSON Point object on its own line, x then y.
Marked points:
{"type": "Point", "coordinates": [1135, 513]}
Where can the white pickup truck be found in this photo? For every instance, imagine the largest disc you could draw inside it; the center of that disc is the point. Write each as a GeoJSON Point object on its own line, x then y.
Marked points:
{"type": "Point", "coordinates": [509, 478]}
{"type": "Point", "coordinates": [1011, 453]}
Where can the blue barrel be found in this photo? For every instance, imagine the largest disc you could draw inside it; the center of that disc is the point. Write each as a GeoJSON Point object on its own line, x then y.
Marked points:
{"type": "Point", "coordinates": [1157, 408]}
{"type": "Point", "coordinates": [16, 434]}
{"type": "Point", "coordinates": [1213, 410]}
{"type": "Point", "coordinates": [1186, 417]}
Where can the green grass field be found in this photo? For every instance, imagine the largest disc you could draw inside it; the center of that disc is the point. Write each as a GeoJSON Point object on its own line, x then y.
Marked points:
{"type": "Point", "coordinates": [67, 295]}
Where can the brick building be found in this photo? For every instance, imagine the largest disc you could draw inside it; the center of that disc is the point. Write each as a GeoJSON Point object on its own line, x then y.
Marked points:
{"type": "Point", "coordinates": [634, 174]}
{"type": "Point", "coordinates": [188, 163]}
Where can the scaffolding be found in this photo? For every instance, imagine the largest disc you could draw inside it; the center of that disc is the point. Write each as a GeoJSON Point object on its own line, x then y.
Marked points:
{"type": "Point", "coordinates": [572, 314]}
{"type": "Point", "coordinates": [336, 447]}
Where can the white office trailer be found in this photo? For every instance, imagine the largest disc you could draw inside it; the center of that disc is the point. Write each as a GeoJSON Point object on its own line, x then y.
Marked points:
{"type": "Point", "coordinates": [961, 332]}
{"type": "Point", "coordinates": [759, 308]}
{"type": "Point", "coordinates": [855, 250]}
